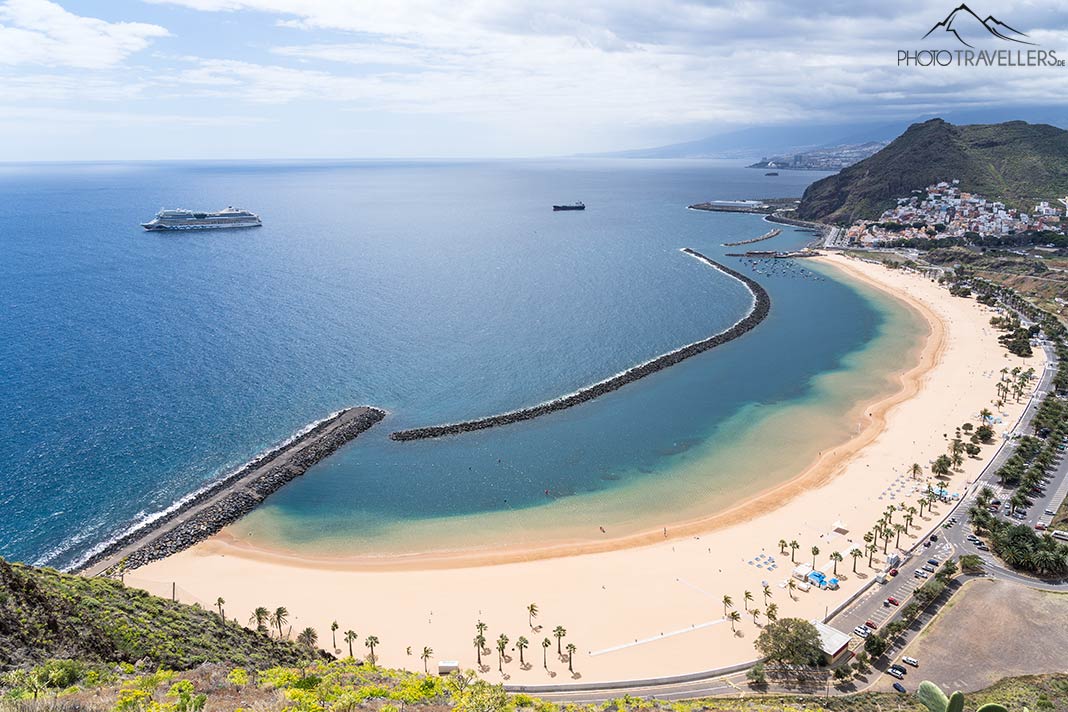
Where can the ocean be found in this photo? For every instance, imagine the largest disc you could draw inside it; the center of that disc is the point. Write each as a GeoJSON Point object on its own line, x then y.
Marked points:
{"type": "Point", "coordinates": [136, 367]}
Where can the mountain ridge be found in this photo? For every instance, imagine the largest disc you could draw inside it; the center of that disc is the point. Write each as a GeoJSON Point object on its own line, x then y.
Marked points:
{"type": "Point", "coordinates": [1013, 161]}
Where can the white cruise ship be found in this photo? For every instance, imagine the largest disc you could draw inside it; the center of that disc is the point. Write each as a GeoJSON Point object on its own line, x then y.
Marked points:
{"type": "Point", "coordinates": [191, 220]}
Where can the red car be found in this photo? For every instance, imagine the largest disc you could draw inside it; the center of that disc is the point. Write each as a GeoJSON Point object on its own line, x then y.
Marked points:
{"type": "Point", "coordinates": [893, 601]}
{"type": "Point", "coordinates": [870, 624]}
{"type": "Point", "coordinates": [893, 572]}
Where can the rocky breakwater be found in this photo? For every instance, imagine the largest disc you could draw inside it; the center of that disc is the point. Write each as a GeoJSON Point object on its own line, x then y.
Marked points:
{"type": "Point", "coordinates": [232, 497]}
{"type": "Point", "coordinates": [758, 310]}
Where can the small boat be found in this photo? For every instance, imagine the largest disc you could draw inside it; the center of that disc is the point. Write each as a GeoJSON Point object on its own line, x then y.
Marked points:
{"type": "Point", "coordinates": [771, 174]}
{"type": "Point", "coordinates": [577, 205]}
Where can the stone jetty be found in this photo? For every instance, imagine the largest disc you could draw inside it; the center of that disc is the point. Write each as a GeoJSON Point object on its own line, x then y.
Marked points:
{"type": "Point", "coordinates": [232, 497]}
{"type": "Point", "coordinates": [759, 310]}
{"type": "Point", "coordinates": [766, 236]}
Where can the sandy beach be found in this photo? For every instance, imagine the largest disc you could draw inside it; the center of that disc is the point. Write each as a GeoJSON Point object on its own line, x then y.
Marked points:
{"type": "Point", "coordinates": [650, 604]}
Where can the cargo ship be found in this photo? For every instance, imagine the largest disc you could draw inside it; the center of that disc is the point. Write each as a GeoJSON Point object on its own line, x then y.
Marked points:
{"type": "Point", "coordinates": [231, 217]}
{"type": "Point", "coordinates": [572, 206]}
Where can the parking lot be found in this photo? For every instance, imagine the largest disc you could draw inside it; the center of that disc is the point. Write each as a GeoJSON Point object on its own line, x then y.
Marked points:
{"type": "Point", "coordinates": [987, 631]}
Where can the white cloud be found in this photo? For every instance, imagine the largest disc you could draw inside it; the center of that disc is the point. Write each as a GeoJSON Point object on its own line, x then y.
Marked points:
{"type": "Point", "coordinates": [46, 116]}
{"type": "Point", "coordinates": [44, 33]}
{"type": "Point", "coordinates": [638, 62]}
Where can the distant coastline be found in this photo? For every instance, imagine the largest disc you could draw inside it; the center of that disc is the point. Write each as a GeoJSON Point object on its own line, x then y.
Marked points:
{"type": "Point", "coordinates": [758, 310]}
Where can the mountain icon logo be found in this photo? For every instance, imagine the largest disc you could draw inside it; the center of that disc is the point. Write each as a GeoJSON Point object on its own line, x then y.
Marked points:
{"type": "Point", "coordinates": [965, 25]}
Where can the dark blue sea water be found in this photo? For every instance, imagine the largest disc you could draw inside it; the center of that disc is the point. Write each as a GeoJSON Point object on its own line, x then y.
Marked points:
{"type": "Point", "coordinates": [135, 367]}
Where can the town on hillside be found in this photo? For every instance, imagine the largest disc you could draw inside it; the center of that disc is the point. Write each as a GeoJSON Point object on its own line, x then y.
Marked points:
{"type": "Point", "coordinates": [943, 210]}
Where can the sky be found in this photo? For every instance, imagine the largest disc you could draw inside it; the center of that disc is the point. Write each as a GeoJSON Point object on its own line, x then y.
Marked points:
{"type": "Point", "coordinates": [162, 79]}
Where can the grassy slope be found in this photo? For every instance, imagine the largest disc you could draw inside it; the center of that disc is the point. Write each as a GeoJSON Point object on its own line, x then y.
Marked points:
{"type": "Point", "coordinates": [347, 685]}
{"type": "Point", "coordinates": [1017, 162]}
{"type": "Point", "coordinates": [45, 614]}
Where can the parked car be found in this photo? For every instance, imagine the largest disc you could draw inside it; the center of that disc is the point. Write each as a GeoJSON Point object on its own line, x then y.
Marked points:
{"type": "Point", "coordinates": [900, 668]}
{"type": "Point", "coordinates": [900, 688]}
{"type": "Point", "coordinates": [862, 631]}
{"type": "Point", "coordinates": [933, 562]}
{"type": "Point", "coordinates": [1040, 527]}
{"type": "Point", "coordinates": [911, 661]}
{"type": "Point", "coordinates": [920, 574]}
{"type": "Point", "coordinates": [983, 547]}
{"type": "Point", "coordinates": [928, 568]}
{"type": "Point", "coordinates": [895, 673]}
{"type": "Point", "coordinates": [934, 537]}
{"type": "Point", "coordinates": [870, 625]}
{"type": "Point", "coordinates": [893, 601]}
{"type": "Point", "coordinates": [893, 572]}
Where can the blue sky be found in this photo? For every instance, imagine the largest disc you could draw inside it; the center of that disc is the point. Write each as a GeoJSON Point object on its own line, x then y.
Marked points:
{"type": "Point", "coordinates": [125, 79]}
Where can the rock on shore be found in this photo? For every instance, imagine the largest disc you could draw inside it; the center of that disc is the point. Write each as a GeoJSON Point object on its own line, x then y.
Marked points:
{"type": "Point", "coordinates": [235, 496]}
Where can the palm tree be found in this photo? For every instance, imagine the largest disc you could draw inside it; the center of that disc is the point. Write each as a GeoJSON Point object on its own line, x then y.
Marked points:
{"type": "Point", "coordinates": [260, 617]}
{"type": "Point", "coordinates": [899, 528]}
{"type": "Point", "coordinates": [532, 613]}
{"type": "Point", "coordinates": [481, 628]}
{"type": "Point", "coordinates": [856, 554]}
{"type": "Point", "coordinates": [767, 593]}
{"type": "Point", "coordinates": [872, 548]}
{"type": "Point", "coordinates": [727, 603]}
{"type": "Point", "coordinates": [308, 637]}
{"type": "Point", "coordinates": [350, 636]}
{"type": "Point", "coordinates": [521, 644]}
{"type": "Point", "coordinates": [219, 604]}
{"type": "Point", "coordinates": [790, 586]}
{"type": "Point", "coordinates": [279, 618]}
{"type": "Point", "coordinates": [746, 600]}
{"type": "Point", "coordinates": [815, 553]}
{"type": "Point", "coordinates": [836, 557]}
{"type": "Point", "coordinates": [333, 633]}
{"type": "Point", "coordinates": [570, 655]}
{"type": "Point", "coordinates": [371, 641]}
{"type": "Point", "coordinates": [427, 652]}
{"type": "Point", "coordinates": [916, 470]}
{"type": "Point", "coordinates": [502, 643]}
{"type": "Point", "coordinates": [734, 617]}
{"type": "Point", "coordinates": [772, 612]}
{"type": "Point", "coordinates": [545, 645]}
{"type": "Point", "coordinates": [559, 631]}
{"type": "Point", "coordinates": [782, 546]}
{"type": "Point", "coordinates": [756, 614]}
{"type": "Point", "coordinates": [794, 546]}
{"type": "Point", "coordinates": [480, 643]}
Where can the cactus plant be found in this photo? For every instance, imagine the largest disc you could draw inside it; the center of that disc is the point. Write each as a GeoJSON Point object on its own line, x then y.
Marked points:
{"type": "Point", "coordinates": [936, 701]}
{"type": "Point", "coordinates": [932, 697]}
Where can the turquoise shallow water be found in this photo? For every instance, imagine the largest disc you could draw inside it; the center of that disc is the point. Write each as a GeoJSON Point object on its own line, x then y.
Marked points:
{"type": "Point", "coordinates": [136, 367]}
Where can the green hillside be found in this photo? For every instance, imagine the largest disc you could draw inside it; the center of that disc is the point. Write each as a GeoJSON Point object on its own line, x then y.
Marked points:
{"type": "Point", "coordinates": [1017, 162]}
{"type": "Point", "coordinates": [45, 614]}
